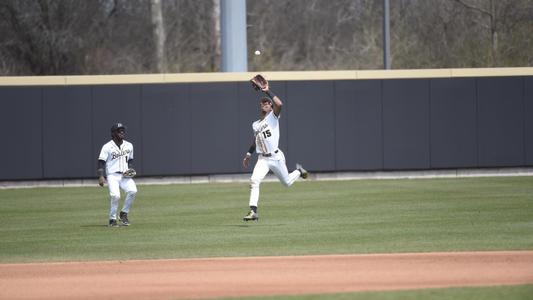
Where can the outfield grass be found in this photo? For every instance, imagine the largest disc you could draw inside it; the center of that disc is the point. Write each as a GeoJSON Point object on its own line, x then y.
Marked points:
{"type": "Point", "coordinates": [471, 293]}
{"type": "Point", "coordinates": [314, 217]}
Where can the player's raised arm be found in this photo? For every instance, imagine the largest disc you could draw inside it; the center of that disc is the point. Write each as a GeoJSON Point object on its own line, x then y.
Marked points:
{"type": "Point", "coordinates": [260, 83]}
{"type": "Point", "coordinates": [276, 102]}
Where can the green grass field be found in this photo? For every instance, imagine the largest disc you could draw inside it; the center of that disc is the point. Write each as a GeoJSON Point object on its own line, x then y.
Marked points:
{"type": "Point", "coordinates": [314, 217]}
{"type": "Point", "coordinates": [471, 293]}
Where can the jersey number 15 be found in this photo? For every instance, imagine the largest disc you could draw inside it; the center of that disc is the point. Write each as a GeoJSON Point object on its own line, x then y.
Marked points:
{"type": "Point", "coordinates": [266, 134]}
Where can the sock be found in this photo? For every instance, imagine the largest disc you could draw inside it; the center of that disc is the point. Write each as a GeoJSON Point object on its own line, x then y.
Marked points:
{"type": "Point", "coordinates": [254, 208]}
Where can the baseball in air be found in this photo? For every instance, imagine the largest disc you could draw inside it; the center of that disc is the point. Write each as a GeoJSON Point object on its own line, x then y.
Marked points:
{"type": "Point", "coordinates": [257, 52]}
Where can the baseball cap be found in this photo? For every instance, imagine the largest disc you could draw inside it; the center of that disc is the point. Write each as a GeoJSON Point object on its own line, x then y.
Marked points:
{"type": "Point", "coordinates": [117, 126]}
{"type": "Point", "coordinates": [265, 99]}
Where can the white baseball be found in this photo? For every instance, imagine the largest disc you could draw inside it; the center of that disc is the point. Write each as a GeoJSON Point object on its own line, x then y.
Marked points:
{"type": "Point", "coordinates": [257, 52]}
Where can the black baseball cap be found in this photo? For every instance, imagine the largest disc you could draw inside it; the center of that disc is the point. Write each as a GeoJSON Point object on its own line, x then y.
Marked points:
{"type": "Point", "coordinates": [117, 126]}
{"type": "Point", "coordinates": [265, 99]}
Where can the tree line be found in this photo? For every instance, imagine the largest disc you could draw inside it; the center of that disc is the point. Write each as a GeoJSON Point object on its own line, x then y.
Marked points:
{"type": "Point", "coordinates": [89, 37]}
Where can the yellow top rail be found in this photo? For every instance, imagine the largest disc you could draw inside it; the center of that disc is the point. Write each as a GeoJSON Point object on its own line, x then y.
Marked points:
{"type": "Point", "coordinates": [245, 76]}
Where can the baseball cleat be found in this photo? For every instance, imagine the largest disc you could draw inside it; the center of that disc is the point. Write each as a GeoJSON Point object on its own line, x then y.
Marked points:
{"type": "Point", "coordinates": [124, 218]}
{"type": "Point", "coordinates": [303, 172]}
{"type": "Point", "coordinates": [113, 223]}
{"type": "Point", "coordinates": [251, 216]}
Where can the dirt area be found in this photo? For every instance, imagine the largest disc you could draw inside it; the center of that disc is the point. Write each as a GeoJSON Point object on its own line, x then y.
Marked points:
{"type": "Point", "coordinates": [254, 276]}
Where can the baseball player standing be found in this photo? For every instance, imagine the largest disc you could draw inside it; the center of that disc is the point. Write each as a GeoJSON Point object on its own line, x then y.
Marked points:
{"type": "Point", "coordinates": [116, 157]}
{"type": "Point", "coordinates": [270, 157]}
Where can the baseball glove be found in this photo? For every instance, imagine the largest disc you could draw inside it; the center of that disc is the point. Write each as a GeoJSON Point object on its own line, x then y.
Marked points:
{"type": "Point", "coordinates": [259, 82]}
{"type": "Point", "coordinates": [129, 173]}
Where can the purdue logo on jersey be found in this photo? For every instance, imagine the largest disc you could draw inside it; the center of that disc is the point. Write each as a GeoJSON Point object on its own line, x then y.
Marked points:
{"type": "Point", "coordinates": [264, 126]}
{"type": "Point", "coordinates": [120, 153]}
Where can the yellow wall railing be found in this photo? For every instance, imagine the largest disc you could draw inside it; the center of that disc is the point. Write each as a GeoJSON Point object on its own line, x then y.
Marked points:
{"type": "Point", "coordinates": [245, 76]}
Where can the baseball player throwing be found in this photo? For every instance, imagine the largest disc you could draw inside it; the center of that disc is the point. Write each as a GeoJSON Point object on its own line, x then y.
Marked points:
{"type": "Point", "coordinates": [270, 157]}
{"type": "Point", "coordinates": [116, 157]}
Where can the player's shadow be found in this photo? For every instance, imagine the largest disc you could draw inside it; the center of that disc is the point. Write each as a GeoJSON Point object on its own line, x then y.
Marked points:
{"type": "Point", "coordinates": [246, 225]}
{"type": "Point", "coordinates": [254, 224]}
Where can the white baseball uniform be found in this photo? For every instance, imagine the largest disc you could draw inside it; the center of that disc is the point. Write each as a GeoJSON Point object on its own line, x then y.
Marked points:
{"type": "Point", "coordinates": [266, 133]}
{"type": "Point", "coordinates": [116, 158]}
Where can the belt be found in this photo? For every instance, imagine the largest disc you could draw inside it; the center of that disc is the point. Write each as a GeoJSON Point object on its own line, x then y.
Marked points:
{"type": "Point", "coordinates": [269, 154]}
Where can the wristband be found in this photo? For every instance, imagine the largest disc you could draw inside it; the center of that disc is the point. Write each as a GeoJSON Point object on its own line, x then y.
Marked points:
{"type": "Point", "coordinates": [270, 94]}
{"type": "Point", "coordinates": [252, 149]}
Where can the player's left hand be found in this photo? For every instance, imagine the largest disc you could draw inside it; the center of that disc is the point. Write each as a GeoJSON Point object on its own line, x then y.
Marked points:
{"type": "Point", "coordinates": [265, 88]}
{"type": "Point", "coordinates": [259, 83]}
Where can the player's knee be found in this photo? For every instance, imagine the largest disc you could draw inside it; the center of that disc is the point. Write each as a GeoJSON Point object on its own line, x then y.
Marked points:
{"type": "Point", "coordinates": [254, 183]}
{"type": "Point", "coordinates": [114, 197]}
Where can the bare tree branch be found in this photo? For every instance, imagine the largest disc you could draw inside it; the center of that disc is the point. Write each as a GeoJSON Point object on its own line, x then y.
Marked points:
{"type": "Point", "coordinates": [483, 11]}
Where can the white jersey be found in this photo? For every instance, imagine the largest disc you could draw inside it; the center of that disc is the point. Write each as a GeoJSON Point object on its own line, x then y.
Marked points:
{"type": "Point", "coordinates": [266, 133]}
{"type": "Point", "coordinates": [116, 157]}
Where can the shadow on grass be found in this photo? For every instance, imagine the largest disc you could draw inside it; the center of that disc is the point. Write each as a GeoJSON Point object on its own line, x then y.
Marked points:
{"type": "Point", "coordinates": [255, 224]}
{"type": "Point", "coordinates": [94, 225]}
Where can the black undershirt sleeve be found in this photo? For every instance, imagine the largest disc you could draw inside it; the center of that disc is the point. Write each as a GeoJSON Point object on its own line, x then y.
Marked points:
{"type": "Point", "coordinates": [252, 149]}
{"type": "Point", "coordinates": [101, 168]}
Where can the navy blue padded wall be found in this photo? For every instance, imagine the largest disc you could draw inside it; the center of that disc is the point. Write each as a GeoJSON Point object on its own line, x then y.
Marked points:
{"type": "Point", "coordinates": [67, 132]}
{"type": "Point", "coordinates": [215, 128]}
{"type": "Point", "coordinates": [500, 109]}
{"type": "Point", "coordinates": [311, 124]}
{"type": "Point", "coordinates": [358, 125]}
{"type": "Point", "coordinates": [453, 123]}
{"type": "Point", "coordinates": [528, 119]}
{"type": "Point", "coordinates": [21, 131]}
{"type": "Point", "coordinates": [205, 128]}
{"type": "Point", "coordinates": [117, 103]}
{"type": "Point", "coordinates": [166, 129]}
{"type": "Point", "coordinates": [406, 124]}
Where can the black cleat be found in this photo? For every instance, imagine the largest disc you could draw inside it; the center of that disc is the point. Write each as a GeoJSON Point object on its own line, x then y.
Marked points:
{"type": "Point", "coordinates": [124, 218]}
{"type": "Point", "coordinates": [251, 216]}
{"type": "Point", "coordinates": [113, 223]}
{"type": "Point", "coordinates": [303, 172]}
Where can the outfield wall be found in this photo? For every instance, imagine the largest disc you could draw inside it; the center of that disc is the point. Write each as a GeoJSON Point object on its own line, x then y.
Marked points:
{"type": "Point", "coordinates": [192, 124]}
